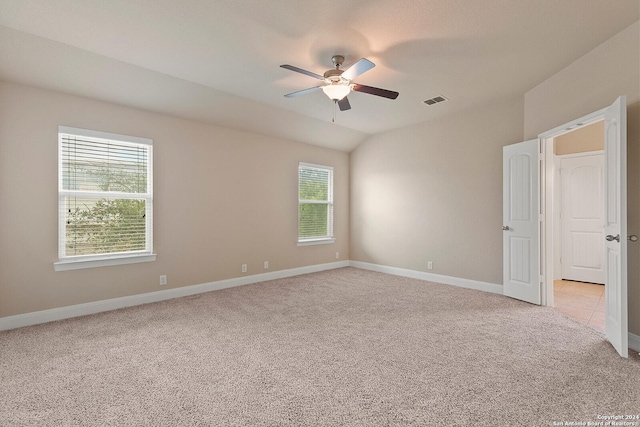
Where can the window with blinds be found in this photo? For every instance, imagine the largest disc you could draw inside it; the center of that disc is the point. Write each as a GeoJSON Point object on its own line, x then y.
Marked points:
{"type": "Point", "coordinates": [315, 204]}
{"type": "Point", "coordinates": [105, 195]}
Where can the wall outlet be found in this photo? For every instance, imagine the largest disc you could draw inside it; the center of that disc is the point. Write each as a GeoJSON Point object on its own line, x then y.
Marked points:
{"type": "Point", "coordinates": [430, 265]}
{"type": "Point", "coordinates": [163, 279]}
{"type": "Point", "coordinates": [244, 268]}
{"type": "Point", "coordinates": [266, 265]}
{"type": "Point", "coordinates": [337, 255]}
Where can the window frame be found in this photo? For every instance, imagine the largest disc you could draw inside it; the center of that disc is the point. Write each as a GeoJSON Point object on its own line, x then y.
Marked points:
{"type": "Point", "coordinates": [329, 238]}
{"type": "Point", "coordinates": [75, 262]}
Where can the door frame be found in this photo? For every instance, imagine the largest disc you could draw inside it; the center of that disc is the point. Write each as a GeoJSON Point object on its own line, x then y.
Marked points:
{"type": "Point", "coordinates": [548, 188]}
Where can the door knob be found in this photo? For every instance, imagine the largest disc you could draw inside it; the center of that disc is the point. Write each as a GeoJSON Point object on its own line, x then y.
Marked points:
{"type": "Point", "coordinates": [633, 238]}
{"type": "Point", "coordinates": [611, 238]}
{"type": "Point", "coordinates": [505, 227]}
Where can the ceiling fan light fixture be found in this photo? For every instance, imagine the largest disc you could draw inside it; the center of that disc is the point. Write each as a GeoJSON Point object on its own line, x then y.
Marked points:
{"type": "Point", "coordinates": [336, 91]}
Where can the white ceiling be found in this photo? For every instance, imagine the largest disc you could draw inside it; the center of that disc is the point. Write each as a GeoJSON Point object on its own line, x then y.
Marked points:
{"type": "Point", "coordinates": [218, 61]}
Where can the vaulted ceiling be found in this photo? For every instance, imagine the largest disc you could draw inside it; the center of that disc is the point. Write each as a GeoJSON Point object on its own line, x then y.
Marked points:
{"type": "Point", "coordinates": [218, 61]}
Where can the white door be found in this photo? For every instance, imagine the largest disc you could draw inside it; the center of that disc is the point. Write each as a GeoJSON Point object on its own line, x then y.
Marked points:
{"type": "Point", "coordinates": [521, 225]}
{"type": "Point", "coordinates": [582, 218]}
{"type": "Point", "coordinates": [615, 152]}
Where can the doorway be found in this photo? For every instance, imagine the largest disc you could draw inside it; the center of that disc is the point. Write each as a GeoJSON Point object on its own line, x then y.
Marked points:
{"type": "Point", "coordinates": [528, 220]}
{"type": "Point", "coordinates": [615, 229]}
{"type": "Point", "coordinates": [573, 145]}
{"type": "Point", "coordinates": [578, 221]}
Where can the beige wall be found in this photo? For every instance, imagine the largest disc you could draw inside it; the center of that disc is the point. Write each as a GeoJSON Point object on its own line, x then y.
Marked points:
{"type": "Point", "coordinates": [221, 198]}
{"type": "Point", "coordinates": [433, 192]}
{"type": "Point", "coordinates": [587, 85]}
{"type": "Point", "coordinates": [428, 192]}
{"type": "Point", "coordinates": [587, 138]}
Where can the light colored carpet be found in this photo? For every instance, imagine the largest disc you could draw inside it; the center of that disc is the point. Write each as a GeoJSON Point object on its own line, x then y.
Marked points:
{"type": "Point", "coordinates": [346, 347]}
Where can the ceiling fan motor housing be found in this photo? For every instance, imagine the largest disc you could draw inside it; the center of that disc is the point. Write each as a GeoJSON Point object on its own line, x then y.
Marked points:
{"type": "Point", "coordinates": [333, 77]}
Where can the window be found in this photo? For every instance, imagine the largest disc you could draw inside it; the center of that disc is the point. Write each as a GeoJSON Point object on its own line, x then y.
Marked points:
{"type": "Point", "coordinates": [105, 199]}
{"type": "Point", "coordinates": [315, 204]}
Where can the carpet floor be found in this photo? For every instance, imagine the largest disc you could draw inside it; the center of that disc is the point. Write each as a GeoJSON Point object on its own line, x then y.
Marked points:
{"type": "Point", "coordinates": [345, 347]}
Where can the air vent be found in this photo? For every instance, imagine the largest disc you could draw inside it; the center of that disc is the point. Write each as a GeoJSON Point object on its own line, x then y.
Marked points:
{"type": "Point", "coordinates": [435, 100]}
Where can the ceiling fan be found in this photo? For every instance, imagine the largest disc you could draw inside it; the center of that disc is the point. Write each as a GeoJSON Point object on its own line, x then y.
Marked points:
{"type": "Point", "coordinates": [339, 83]}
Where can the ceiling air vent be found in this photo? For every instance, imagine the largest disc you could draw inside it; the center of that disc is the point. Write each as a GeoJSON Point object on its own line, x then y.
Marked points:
{"type": "Point", "coordinates": [435, 100]}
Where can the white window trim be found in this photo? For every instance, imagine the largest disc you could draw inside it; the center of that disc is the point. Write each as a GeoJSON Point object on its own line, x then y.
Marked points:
{"type": "Point", "coordinates": [317, 240]}
{"type": "Point", "coordinates": [92, 261]}
{"type": "Point", "coordinates": [323, 241]}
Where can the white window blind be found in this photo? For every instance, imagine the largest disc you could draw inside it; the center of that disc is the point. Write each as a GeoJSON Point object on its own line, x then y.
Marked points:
{"type": "Point", "coordinates": [105, 195]}
{"type": "Point", "coordinates": [315, 203]}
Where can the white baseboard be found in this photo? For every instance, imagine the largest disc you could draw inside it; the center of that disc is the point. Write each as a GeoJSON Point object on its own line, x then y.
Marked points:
{"type": "Point", "coordinates": [44, 316]}
{"type": "Point", "coordinates": [438, 278]}
{"type": "Point", "coordinates": [634, 342]}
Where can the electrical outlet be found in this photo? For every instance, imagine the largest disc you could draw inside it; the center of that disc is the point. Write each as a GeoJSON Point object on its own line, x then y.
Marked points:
{"type": "Point", "coordinates": [163, 279]}
{"type": "Point", "coordinates": [266, 265]}
{"type": "Point", "coordinates": [337, 255]}
{"type": "Point", "coordinates": [430, 265]}
{"type": "Point", "coordinates": [244, 268]}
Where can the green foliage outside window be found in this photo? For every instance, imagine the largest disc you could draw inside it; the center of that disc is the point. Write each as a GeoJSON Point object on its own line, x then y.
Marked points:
{"type": "Point", "coordinates": [313, 221]}
{"type": "Point", "coordinates": [314, 213]}
{"type": "Point", "coordinates": [106, 225]}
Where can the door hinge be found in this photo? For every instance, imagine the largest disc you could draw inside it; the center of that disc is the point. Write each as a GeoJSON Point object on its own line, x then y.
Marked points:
{"type": "Point", "coordinates": [540, 217]}
{"type": "Point", "coordinates": [541, 278]}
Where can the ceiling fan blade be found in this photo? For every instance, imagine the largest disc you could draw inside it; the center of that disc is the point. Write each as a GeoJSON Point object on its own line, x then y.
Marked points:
{"type": "Point", "coordinates": [344, 104]}
{"type": "Point", "coordinates": [375, 91]}
{"type": "Point", "coordinates": [360, 67]}
{"type": "Point", "coordinates": [302, 92]}
{"type": "Point", "coordinates": [300, 70]}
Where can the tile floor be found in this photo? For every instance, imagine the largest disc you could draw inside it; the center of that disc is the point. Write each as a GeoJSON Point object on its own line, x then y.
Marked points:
{"type": "Point", "coordinates": [583, 302]}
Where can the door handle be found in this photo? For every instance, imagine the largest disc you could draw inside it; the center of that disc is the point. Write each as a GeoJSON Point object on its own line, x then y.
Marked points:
{"type": "Point", "coordinates": [611, 238]}
{"type": "Point", "coordinates": [505, 228]}
{"type": "Point", "coordinates": [633, 238]}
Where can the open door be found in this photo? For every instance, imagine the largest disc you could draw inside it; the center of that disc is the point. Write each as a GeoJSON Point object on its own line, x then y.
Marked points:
{"type": "Point", "coordinates": [521, 221]}
{"type": "Point", "coordinates": [615, 152]}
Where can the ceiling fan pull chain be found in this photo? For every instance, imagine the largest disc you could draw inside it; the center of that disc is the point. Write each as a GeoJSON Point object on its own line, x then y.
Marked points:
{"type": "Point", "coordinates": [333, 119]}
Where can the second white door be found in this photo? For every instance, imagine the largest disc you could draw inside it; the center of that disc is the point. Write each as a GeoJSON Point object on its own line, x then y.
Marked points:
{"type": "Point", "coordinates": [583, 218]}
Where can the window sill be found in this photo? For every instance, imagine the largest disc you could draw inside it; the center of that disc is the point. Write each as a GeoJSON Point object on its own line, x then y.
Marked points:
{"type": "Point", "coordinates": [77, 264]}
{"type": "Point", "coordinates": [323, 241]}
